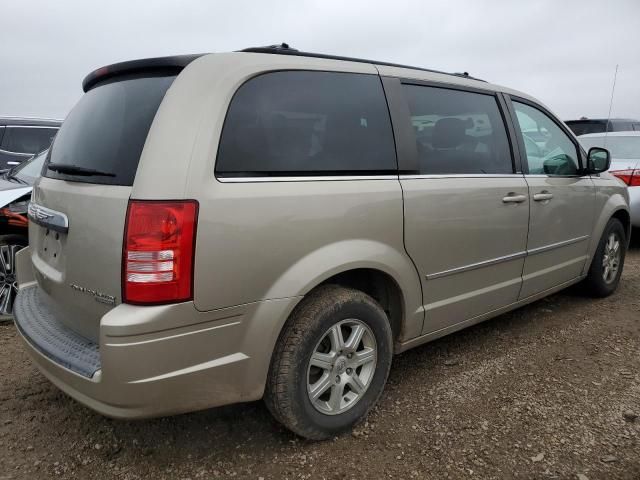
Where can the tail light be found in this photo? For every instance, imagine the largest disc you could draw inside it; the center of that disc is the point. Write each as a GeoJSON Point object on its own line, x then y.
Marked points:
{"type": "Point", "coordinates": [630, 177]}
{"type": "Point", "coordinates": [159, 245]}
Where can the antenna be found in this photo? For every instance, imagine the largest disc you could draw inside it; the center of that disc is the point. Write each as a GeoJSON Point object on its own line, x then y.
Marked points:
{"type": "Point", "coordinates": [606, 131]}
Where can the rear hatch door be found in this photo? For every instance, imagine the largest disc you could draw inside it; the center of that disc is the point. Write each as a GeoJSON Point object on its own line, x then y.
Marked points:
{"type": "Point", "coordinates": [79, 206]}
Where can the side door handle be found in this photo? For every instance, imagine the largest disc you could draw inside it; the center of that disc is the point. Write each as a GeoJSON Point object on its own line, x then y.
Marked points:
{"type": "Point", "coordinates": [514, 198]}
{"type": "Point", "coordinates": [542, 196]}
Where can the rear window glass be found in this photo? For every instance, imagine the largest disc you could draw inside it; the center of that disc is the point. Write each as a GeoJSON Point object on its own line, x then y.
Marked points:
{"type": "Point", "coordinates": [305, 123]}
{"type": "Point", "coordinates": [28, 139]}
{"type": "Point", "coordinates": [106, 130]}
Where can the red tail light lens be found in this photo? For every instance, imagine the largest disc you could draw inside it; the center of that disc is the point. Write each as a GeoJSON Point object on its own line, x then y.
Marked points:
{"type": "Point", "coordinates": [630, 177]}
{"type": "Point", "coordinates": [159, 244]}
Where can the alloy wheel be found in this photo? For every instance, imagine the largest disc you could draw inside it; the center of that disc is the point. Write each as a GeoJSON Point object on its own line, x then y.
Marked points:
{"type": "Point", "coordinates": [611, 258]}
{"type": "Point", "coordinates": [341, 367]}
{"type": "Point", "coordinates": [8, 282]}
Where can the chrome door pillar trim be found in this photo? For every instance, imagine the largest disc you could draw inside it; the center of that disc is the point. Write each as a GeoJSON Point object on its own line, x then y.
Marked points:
{"type": "Point", "coordinates": [310, 178]}
{"type": "Point", "coordinates": [544, 175]}
{"type": "Point", "coordinates": [461, 175]}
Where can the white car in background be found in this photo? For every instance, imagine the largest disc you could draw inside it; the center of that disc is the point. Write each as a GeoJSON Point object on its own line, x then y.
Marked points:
{"type": "Point", "coordinates": [16, 185]}
{"type": "Point", "coordinates": [625, 162]}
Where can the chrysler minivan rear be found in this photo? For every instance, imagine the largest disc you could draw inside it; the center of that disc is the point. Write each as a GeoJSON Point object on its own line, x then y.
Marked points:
{"type": "Point", "coordinates": [106, 286]}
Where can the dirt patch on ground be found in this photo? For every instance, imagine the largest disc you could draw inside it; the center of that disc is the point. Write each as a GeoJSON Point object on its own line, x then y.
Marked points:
{"type": "Point", "coordinates": [547, 391]}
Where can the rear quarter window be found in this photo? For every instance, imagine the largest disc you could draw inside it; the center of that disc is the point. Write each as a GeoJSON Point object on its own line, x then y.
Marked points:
{"type": "Point", "coordinates": [107, 129]}
{"type": "Point", "coordinates": [307, 123]}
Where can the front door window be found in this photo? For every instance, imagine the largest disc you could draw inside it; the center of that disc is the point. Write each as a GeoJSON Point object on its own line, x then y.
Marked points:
{"type": "Point", "coordinates": [549, 150]}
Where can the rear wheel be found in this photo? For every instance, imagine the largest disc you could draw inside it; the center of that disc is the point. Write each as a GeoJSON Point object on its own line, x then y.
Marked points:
{"type": "Point", "coordinates": [330, 364]}
{"type": "Point", "coordinates": [606, 266]}
{"type": "Point", "coordinates": [9, 246]}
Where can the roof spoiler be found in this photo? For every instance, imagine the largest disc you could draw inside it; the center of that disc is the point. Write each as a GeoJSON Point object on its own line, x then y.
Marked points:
{"type": "Point", "coordinates": [169, 65]}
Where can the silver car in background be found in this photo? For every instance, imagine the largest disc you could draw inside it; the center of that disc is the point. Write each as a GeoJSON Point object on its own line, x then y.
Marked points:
{"type": "Point", "coordinates": [625, 162]}
{"type": "Point", "coordinates": [21, 138]}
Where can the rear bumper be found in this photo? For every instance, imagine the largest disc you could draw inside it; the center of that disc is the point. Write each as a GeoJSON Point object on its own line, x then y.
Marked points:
{"type": "Point", "coordinates": [154, 361]}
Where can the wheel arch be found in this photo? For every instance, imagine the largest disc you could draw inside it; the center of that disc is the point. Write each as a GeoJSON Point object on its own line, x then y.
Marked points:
{"type": "Point", "coordinates": [375, 268]}
{"type": "Point", "coordinates": [625, 218]}
{"type": "Point", "coordinates": [616, 206]}
{"type": "Point", "coordinates": [380, 286]}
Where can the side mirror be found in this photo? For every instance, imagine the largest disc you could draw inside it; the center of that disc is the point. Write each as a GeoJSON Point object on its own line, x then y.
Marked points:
{"type": "Point", "coordinates": [598, 160]}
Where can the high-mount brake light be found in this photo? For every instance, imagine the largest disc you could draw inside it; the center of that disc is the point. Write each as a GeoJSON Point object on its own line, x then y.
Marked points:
{"type": "Point", "coordinates": [159, 245]}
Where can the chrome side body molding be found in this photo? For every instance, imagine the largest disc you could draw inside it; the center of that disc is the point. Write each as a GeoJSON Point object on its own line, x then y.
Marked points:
{"type": "Point", "coordinates": [506, 258]}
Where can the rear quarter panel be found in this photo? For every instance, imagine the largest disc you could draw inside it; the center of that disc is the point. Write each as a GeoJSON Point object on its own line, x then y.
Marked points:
{"type": "Point", "coordinates": [269, 240]}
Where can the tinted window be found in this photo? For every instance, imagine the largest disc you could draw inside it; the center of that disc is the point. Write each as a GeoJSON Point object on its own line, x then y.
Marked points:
{"type": "Point", "coordinates": [582, 127]}
{"type": "Point", "coordinates": [627, 148]}
{"type": "Point", "coordinates": [107, 129]}
{"type": "Point", "coordinates": [458, 132]}
{"type": "Point", "coordinates": [620, 126]}
{"type": "Point", "coordinates": [636, 126]}
{"type": "Point", "coordinates": [27, 139]}
{"type": "Point", "coordinates": [301, 123]}
{"type": "Point", "coordinates": [549, 150]}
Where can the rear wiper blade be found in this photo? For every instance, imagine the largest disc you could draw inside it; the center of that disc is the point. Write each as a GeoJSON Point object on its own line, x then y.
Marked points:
{"type": "Point", "coordinates": [76, 170]}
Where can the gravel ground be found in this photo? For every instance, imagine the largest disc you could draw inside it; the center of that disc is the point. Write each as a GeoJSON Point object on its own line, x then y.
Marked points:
{"type": "Point", "coordinates": [547, 391]}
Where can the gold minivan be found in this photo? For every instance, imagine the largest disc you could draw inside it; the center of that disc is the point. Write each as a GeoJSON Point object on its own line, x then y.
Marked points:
{"type": "Point", "coordinates": [277, 224]}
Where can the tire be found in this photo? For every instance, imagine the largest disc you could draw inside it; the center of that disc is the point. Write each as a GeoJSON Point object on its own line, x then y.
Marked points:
{"type": "Point", "coordinates": [606, 267]}
{"type": "Point", "coordinates": [9, 246]}
{"type": "Point", "coordinates": [313, 329]}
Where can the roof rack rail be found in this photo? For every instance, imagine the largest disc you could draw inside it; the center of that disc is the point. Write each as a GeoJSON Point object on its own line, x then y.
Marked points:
{"type": "Point", "coordinates": [285, 49]}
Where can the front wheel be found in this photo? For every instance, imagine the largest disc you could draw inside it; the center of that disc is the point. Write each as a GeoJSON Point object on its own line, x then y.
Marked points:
{"type": "Point", "coordinates": [606, 266]}
{"type": "Point", "coordinates": [330, 364]}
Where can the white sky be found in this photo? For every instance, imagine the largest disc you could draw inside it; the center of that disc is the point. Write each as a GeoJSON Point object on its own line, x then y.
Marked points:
{"type": "Point", "coordinates": [562, 52]}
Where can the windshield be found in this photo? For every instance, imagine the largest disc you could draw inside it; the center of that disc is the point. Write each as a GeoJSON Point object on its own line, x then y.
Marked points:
{"type": "Point", "coordinates": [106, 131]}
{"type": "Point", "coordinates": [623, 148]}
{"type": "Point", "coordinates": [29, 170]}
